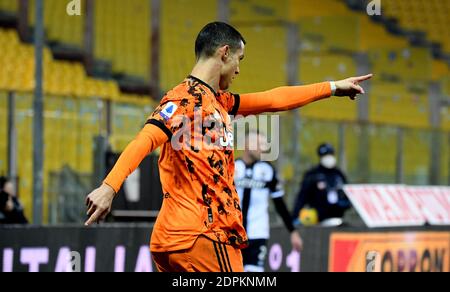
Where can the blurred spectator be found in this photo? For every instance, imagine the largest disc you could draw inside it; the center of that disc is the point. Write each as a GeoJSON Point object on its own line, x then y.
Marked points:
{"type": "Point", "coordinates": [11, 210]}
{"type": "Point", "coordinates": [257, 182]}
{"type": "Point", "coordinates": [322, 195]}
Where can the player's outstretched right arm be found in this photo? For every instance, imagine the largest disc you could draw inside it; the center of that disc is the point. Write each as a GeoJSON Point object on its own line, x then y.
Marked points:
{"type": "Point", "coordinates": [292, 97]}
{"type": "Point", "coordinates": [100, 200]}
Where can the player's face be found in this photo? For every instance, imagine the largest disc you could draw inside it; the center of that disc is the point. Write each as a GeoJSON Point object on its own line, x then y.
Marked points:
{"type": "Point", "coordinates": [230, 68]}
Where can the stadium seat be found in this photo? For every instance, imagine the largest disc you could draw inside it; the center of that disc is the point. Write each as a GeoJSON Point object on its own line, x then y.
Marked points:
{"type": "Point", "coordinates": [393, 103]}
{"type": "Point", "coordinates": [60, 77]}
{"type": "Point", "coordinates": [304, 8]}
{"type": "Point", "coordinates": [178, 32]}
{"type": "Point", "coordinates": [322, 67]}
{"type": "Point", "coordinates": [10, 6]}
{"type": "Point", "coordinates": [122, 35]}
{"type": "Point", "coordinates": [430, 16]}
{"type": "Point", "coordinates": [59, 26]}
{"type": "Point", "coordinates": [440, 70]}
{"type": "Point", "coordinates": [256, 75]}
{"type": "Point", "coordinates": [70, 113]}
{"type": "Point", "coordinates": [407, 64]}
{"type": "Point", "coordinates": [257, 11]}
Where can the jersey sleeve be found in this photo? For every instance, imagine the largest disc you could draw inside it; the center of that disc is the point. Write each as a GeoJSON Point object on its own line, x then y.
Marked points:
{"type": "Point", "coordinates": [282, 98]}
{"type": "Point", "coordinates": [147, 141]}
{"type": "Point", "coordinates": [276, 187]}
{"type": "Point", "coordinates": [172, 114]}
{"type": "Point", "coordinates": [230, 102]}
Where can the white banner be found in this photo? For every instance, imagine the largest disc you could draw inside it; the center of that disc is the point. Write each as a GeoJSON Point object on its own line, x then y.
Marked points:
{"type": "Point", "coordinates": [400, 205]}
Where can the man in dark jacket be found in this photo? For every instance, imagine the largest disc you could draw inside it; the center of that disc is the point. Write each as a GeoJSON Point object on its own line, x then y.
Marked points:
{"type": "Point", "coordinates": [322, 188]}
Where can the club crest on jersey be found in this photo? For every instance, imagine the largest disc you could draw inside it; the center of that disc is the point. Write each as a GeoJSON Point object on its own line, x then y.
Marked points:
{"type": "Point", "coordinates": [168, 111]}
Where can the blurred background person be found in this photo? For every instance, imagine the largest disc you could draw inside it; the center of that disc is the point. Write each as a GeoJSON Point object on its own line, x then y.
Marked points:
{"type": "Point", "coordinates": [257, 182]}
{"type": "Point", "coordinates": [322, 196]}
{"type": "Point", "coordinates": [11, 210]}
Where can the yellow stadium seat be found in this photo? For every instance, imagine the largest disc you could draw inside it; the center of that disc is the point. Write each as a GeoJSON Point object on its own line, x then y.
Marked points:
{"type": "Point", "coordinates": [58, 24]}
{"type": "Point", "coordinates": [178, 32]}
{"type": "Point", "coordinates": [9, 5]}
{"type": "Point", "coordinates": [122, 35]}
{"type": "Point", "coordinates": [322, 67]}
{"type": "Point", "coordinates": [258, 11]}
{"type": "Point", "coordinates": [393, 103]}
{"type": "Point", "coordinates": [430, 16]}
{"type": "Point", "coordinates": [256, 75]}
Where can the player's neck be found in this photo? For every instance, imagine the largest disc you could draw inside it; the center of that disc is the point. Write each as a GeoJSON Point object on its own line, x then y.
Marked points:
{"type": "Point", "coordinates": [208, 70]}
{"type": "Point", "coordinates": [248, 160]}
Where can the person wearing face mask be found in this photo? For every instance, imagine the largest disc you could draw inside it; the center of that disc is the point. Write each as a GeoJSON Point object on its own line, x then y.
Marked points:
{"type": "Point", "coordinates": [322, 188]}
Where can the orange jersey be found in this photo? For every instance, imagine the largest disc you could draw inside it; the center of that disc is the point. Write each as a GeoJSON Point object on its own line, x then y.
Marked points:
{"type": "Point", "coordinates": [193, 125]}
{"type": "Point", "coordinates": [198, 183]}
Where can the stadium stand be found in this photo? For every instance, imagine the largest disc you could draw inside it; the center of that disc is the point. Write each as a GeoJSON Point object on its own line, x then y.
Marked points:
{"type": "Point", "coordinates": [256, 75]}
{"type": "Point", "coordinates": [260, 11]}
{"type": "Point", "coordinates": [9, 6]}
{"type": "Point", "coordinates": [321, 67]}
{"type": "Point", "coordinates": [122, 31]}
{"type": "Point", "coordinates": [394, 103]}
{"type": "Point", "coordinates": [179, 28]}
{"type": "Point", "coordinates": [71, 114]}
{"type": "Point", "coordinates": [59, 26]}
{"type": "Point", "coordinates": [430, 16]}
{"type": "Point", "coordinates": [3, 133]}
{"type": "Point", "coordinates": [60, 77]}
{"type": "Point", "coordinates": [330, 33]}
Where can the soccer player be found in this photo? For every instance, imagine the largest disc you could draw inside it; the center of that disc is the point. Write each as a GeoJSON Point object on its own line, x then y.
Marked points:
{"type": "Point", "coordinates": [256, 182]}
{"type": "Point", "coordinates": [199, 227]}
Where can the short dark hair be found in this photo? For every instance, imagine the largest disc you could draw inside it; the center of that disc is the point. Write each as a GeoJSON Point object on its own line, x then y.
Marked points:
{"type": "Point", "coordinates": [215, 35]}
{"type": "Point", "coordinates": [3, 181]}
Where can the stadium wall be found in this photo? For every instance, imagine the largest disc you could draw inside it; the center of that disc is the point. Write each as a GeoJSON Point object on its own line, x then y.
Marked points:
{"type": "Point", "coordinates": [124, 247]}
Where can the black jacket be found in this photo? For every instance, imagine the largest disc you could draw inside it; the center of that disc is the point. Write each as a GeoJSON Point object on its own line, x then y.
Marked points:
{"type": "Point", "coordinates": [15, 216]}
{"type": "Point", "coordinates": [322, 189]}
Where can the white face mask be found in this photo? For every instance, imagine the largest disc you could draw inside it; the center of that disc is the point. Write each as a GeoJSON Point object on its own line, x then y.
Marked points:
{"type": "Point", "coordinates": [328, 161]}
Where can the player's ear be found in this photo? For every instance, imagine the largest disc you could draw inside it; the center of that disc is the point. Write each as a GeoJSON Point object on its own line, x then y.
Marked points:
{"type": "Point", "coordinates": [224, 52]}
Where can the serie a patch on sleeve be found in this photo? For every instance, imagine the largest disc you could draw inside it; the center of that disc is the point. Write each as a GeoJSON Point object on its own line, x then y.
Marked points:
{"type": "Point", "coordinates": [168, 111]}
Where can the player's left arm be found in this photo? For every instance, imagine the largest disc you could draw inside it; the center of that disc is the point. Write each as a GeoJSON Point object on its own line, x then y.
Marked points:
{"type": "Point", "coordinates": [291, 97]}
{"type": "Point", "coordinates": [296, 240]}
{"type": "Point", "coordinates": [277, 194]}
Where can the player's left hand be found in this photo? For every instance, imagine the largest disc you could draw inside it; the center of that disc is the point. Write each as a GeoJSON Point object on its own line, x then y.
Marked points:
{"type": "Point", "coordinates": [350, 87]}
{"type": "Point", "coordinates": [296, 241]}
{"type": "Point", "coordinates": [99, 204]}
